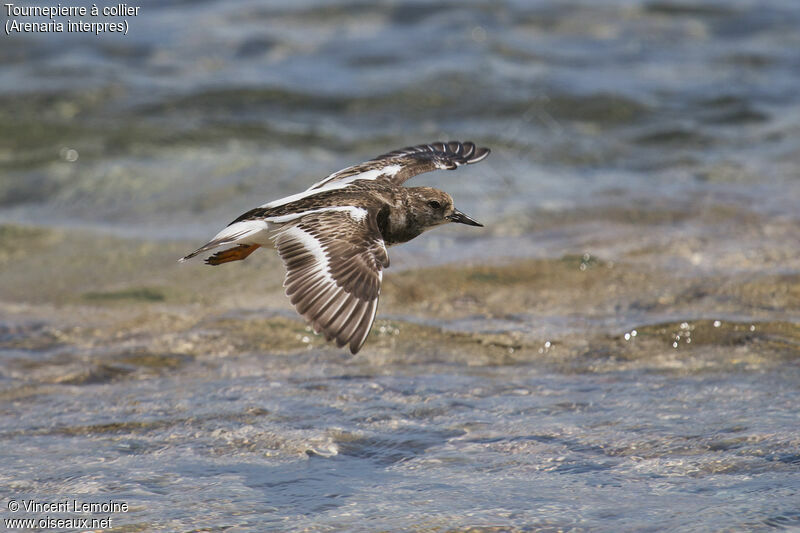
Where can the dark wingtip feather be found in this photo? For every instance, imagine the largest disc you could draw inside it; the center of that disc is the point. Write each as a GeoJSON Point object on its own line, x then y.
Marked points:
{"type": "Point", "coordinates": [479, 155]}
{"type": "Point", "coordinates": [466, 152]}
{"type": "Point", "coordinates": [458, 152]}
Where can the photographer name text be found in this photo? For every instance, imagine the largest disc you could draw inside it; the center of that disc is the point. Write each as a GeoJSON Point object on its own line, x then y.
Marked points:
{"type": "Point", "coordinates": [68, 506]}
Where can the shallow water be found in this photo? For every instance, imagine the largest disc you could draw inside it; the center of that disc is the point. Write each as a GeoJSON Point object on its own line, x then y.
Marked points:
{"type": "Point", "coordinates": [617, 350]}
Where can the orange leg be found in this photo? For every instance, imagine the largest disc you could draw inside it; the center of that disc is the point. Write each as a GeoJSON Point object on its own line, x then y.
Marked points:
{"type": "Point", "coordinates": [237, 253]}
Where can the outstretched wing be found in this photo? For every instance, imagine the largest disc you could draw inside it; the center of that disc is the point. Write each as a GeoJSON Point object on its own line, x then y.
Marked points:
{"type": "Point", "coordinates": [334, 261]}
{"type": "Point", "coordinates": [400, 165]}
{"type": "Point", "coordinates": [394, 167]}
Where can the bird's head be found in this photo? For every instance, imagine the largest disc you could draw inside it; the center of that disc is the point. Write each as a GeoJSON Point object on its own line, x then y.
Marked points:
{"type": "Point", "coordinates": [432, 207]}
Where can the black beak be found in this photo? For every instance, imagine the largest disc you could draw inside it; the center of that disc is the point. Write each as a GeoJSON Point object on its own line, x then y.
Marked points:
{"type": "Point", "coordinates": [461, 218]}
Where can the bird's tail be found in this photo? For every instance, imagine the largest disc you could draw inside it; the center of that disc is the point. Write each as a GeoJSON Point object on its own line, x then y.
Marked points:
{"type": "Point", "coordinates": [245, 232]}
{"type": "Point", "coordinates": [208, 246]}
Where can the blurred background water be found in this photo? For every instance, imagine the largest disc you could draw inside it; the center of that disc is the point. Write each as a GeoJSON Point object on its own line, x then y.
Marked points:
{"type": "Point", "coordinates": [617, 350]}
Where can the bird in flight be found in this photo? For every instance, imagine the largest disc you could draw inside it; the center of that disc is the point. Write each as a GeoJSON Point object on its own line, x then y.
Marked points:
{"type": "Point", "coordinates": [332, 237]}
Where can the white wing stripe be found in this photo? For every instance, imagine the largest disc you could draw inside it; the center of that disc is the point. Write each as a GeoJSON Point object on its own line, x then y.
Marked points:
{"type": "Point", "coordinates": [375, 173]}
{"type": "Point", "coordinates": [356, 213]}
{"type": "Point", "coordinates": [304, 194]}
{"type": "Point", "coordinates": [311, 244]}
{"type": "Point", "coordinates": [389, 170]}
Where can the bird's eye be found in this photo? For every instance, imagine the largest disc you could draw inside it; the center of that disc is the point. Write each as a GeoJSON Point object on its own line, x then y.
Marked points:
{"type": "Point", "coordinates": [434, 204]}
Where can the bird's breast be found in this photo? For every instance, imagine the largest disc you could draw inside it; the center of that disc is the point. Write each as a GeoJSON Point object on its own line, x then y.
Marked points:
{"type": "Point", "coordinates": [396, 226]}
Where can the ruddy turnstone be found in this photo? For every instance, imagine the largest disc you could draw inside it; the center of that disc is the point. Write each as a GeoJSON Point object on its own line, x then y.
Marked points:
{"type": "Point", "coordinates": [333, 236]}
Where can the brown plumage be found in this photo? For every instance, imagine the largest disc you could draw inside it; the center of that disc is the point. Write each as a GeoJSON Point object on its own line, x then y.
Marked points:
{"type": "Point", "coordinates": [333, 237]}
